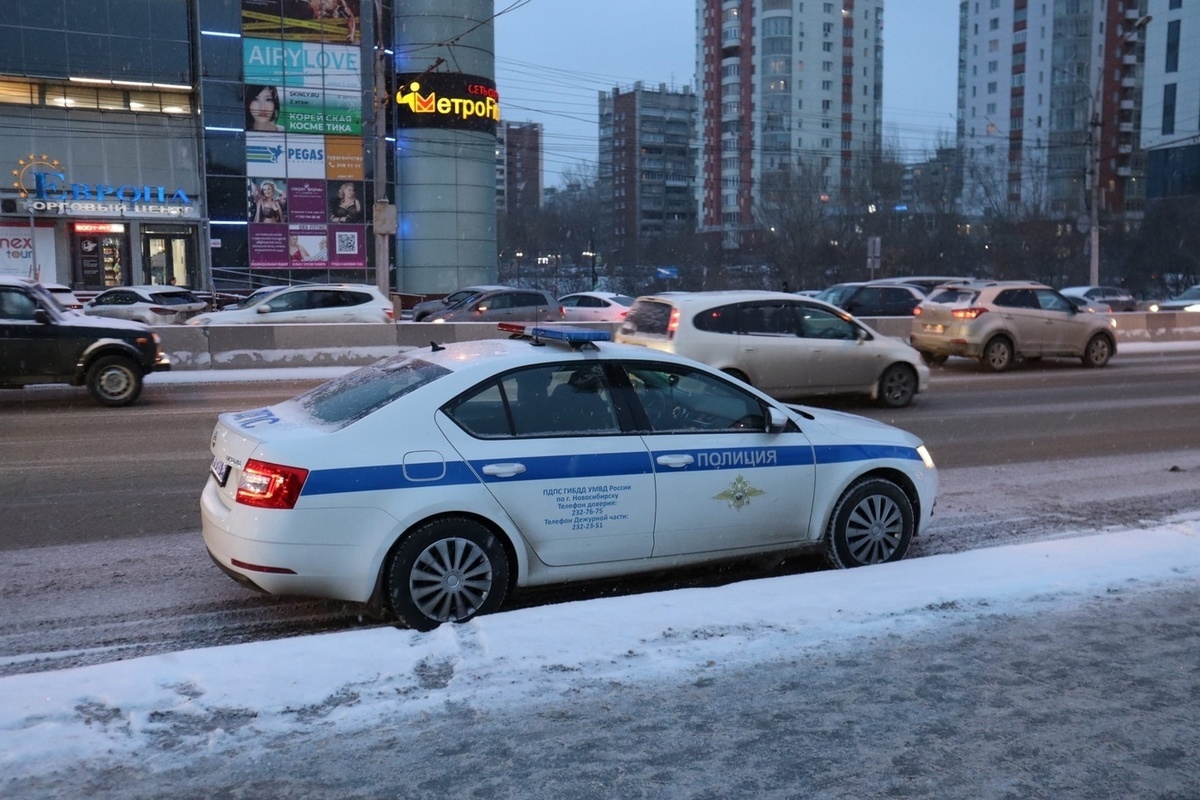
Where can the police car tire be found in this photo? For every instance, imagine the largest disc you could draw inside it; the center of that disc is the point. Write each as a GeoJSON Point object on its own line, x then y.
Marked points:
{"type": "Point", "coordinates": [453, 548]}
{"type": "Point", "coordinates": [872, 523]}
{"type": "Point", "coordinates": [114, 381]}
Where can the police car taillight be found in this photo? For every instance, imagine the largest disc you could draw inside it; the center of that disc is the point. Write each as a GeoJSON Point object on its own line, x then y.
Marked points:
{"type": "Point", "coordinates": [265, 485]}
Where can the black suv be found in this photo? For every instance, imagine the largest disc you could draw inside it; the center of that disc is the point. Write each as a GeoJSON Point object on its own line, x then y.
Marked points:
{"type": "Point", "coordinates": [42, 342]}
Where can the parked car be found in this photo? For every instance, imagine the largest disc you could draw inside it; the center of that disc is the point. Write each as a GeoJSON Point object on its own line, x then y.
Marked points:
{"type": "Point", "coordinates": [65, 295]}
{"type": "Point", "coordinates": [253, 297]}
{"type": "Point", "coordinates": [422, 311]}
{"type": "Point", "coordinates": [149, 305]}
{"type": "Point", "coordinates": [1084, 304]}
{"type": "Point", "coordinates": [435, 482]}
{"type": "Point", "coordinates": [319, 302]}
{"type": "Point", "coordinates": [595, 306]}
{"type": "Point", "coordinates": [1115, 298]}
{"type": "Point", "coordinates": [1187, 300]}
{"type": "Point", "coordinates": [999, 322]}
{"type": "Point", "coordinates": [503, 305]}
{"type": "Point", "coordinates": [42, 342]}
{"type": "Point", "coordinates": [874, 299]}
{"type": "Point", "coordinates": [787, 346]}
{"type": "Point", "coordinates": [926, 283]}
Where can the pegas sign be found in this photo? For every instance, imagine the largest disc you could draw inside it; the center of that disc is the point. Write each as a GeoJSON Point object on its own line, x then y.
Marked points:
{"type": "Point", "coordinates": [52, 193]}
{"type": "Point", "coordinates": [447, 101]}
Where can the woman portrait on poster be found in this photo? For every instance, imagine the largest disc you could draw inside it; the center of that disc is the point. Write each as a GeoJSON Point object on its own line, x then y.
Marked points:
{"type": "Point", "coordinates": [268, 204]}
{"type": "Point", "coordinates": [346, 207]}
{"type": "Point", "coordinates": [262, 109]}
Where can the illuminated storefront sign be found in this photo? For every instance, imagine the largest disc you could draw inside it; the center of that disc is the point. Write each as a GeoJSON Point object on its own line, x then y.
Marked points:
{"type": "Point", "coordinates": [48, 191]}
{"type": "Point", "coordinates": [454, 102]}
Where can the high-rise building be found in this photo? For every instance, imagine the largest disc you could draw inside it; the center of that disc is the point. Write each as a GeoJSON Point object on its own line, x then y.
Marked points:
{"type": "Point", "coordinates": [519, 167]}
{"type": "Point", "coordinates": [646, 177]}
{"type": "Point", "coordinates": [785, 86]}
{"type": "Point", "coordinates": [1049, 98]}
{"type": "Point", "coordinates": [1172, 91]}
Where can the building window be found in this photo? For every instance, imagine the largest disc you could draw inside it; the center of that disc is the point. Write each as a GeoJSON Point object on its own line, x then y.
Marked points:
{"type": "Point", "coordinates": [1168, 117]}
{"type": "Point", "coordinates": [1173, 46]}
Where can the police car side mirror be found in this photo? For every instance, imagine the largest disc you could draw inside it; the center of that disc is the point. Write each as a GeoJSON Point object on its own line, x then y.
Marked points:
{"type": "Point", "coordinates": [41, 316]}
{"type": "Point", "coordinates": [263, 309]}
{"type": "Point", "coordinates": [776, 420]}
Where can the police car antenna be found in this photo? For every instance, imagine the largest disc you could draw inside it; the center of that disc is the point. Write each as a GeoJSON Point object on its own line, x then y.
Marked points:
{"type": "Point", "coordinates": [435, 347]}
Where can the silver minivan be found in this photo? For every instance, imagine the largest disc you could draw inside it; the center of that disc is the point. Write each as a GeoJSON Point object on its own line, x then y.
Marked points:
{"type": "Point", "coordinates": [788, 346]}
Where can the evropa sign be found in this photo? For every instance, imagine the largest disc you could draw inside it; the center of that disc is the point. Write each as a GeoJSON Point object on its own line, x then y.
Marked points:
{"type": "Point", "coordinates": [49, 191]}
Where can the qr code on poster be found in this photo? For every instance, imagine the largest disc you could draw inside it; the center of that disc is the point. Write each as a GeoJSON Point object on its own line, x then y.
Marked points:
{"type": "Point", "coordinates": [346, 243]}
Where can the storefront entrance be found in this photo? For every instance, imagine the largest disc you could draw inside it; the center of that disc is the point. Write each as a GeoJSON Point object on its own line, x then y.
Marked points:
{"type": "Point", "coordinates": [169, 256]}
{"type": "Point", "coordinates": [101, 255]}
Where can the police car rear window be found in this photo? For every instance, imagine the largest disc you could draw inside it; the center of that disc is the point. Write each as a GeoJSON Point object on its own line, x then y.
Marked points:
{"type": "Point", "coordinates": [362, 392]}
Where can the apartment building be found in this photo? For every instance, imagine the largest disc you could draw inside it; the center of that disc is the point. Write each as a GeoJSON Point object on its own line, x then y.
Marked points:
{"type": "Point", "coordinates": [646, 175]}
{"type": "Point", "coordinates": [1049, 104]}
{"type": "Point", "coordinates": [1170, 124]}
{"type": "Point", "coordinates": [784, 85]}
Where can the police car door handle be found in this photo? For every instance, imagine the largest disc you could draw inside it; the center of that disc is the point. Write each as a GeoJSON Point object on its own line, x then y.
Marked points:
{"type": "Point", "coordinates": [504, 470]}
{"type": "Point", "coordinates": [675, 461]}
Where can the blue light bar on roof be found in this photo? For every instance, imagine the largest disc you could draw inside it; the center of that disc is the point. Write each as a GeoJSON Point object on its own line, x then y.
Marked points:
{"type": "Point", "coordinates": [557, 333]}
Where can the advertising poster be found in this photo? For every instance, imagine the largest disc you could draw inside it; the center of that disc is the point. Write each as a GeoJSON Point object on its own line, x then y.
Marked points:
{"type": "Point", "coordinates": [266, 155]}
{"type": "Point", "coordinates": [348, 245]}
{"type": "Point", "coordinates": [306, 201]}
{"type": "Point", "coordinates": [24, 251]}
{"type": "Point", "coordinates": [321, 111]}
{"type": "Point", "coordinates": [345, 203]}
{"type": "Point", "coordinates": [308, 246]}
{"type": "Point", "coordinates": [280, 63]}
{"type": "Point", "coordinates": [343, 158]}
{"type": "Point", "coordinates": [305, 156]}
{"type": "Point", "coordinates": [268, 246]}
{"type": "Point", "coordinates": [267, 200]}
{"type": "Point", "coordinates": [303, 20]}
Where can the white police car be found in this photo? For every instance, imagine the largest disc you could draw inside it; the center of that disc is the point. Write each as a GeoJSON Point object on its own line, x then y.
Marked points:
{"type": "Point", "coordinates": [434, 482]}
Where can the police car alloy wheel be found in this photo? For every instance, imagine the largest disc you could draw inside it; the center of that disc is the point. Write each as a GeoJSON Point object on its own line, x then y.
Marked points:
{"type": "Point", "coordinates": [871, 524]}
{"type": "Point", "coordinates": [448, 570]}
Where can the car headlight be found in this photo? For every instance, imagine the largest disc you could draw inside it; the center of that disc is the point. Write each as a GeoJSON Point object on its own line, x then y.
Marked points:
{"type": "Point", "coordinates": [925, 457]}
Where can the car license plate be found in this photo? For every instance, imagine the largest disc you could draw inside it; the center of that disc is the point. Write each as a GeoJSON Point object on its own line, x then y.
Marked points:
{"type": "Point", "coordinates": [219, 470]}
{"type": "Point", "coordinates": [928, 328]}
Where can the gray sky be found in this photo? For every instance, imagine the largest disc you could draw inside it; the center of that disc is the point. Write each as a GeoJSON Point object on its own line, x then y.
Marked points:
{"type": "Point", "coordinates": [553, 57]}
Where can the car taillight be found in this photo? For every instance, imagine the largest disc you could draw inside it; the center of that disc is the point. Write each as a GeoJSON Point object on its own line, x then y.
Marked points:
{"type": "Point", "coordinates": [917, 311]}
{"type": "Point", "coordinates": [162, 310]}
{"type": "Point", "coordinates": [391, 313]}
{"type": "Point", "coordinates": [968, 313]}
{"type": "Point", "coordinates": [673, 325]}
{"type": "Point", "coordinates": [270, 485]}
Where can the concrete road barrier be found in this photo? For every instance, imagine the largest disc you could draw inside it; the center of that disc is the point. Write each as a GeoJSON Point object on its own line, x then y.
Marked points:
{"type": "Point", "coordinates": [356, 344]}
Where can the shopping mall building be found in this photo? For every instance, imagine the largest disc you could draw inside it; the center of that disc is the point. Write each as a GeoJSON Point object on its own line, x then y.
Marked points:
{"type": "Point", "coordinates": [235, 143]}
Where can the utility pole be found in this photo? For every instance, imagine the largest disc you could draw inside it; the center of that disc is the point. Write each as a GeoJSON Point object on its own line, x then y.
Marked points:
{"type": "Point", "coordinates": [384, 216]}
{"type": "Point", "coordinates": [1094, 220]}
